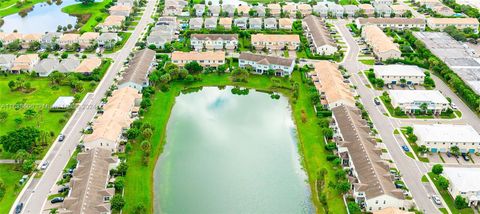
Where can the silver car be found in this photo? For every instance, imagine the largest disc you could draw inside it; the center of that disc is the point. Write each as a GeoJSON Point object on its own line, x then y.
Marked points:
{"type": "Point", "coordinates": [436, 200]}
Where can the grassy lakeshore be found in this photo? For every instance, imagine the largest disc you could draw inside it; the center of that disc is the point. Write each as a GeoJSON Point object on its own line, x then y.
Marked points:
{"type": "Point", "coordinates": [140, 176]}
{"type": "Point", "coordinates": [10, 7]}
{"type": "Point", "coordinates": [88, 14]}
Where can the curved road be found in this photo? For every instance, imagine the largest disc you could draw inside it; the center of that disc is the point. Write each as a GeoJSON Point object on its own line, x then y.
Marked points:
{"type": "Point", "coordinates": [35, 193]}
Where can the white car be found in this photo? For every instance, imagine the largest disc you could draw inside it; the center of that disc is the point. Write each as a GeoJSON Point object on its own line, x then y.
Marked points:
{"type": "Point", "coordinates": [436, 200]}
{"type": "Point", "coordinates": [453, 106]}
{"type": "Point", "coordinates": [44, 166]}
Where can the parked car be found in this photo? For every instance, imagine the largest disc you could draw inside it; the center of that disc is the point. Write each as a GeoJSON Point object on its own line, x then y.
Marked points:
{"type": "Point", "coordinates": [389, 86]}
{"type": "Point", "coordinates": [57, 200]}
{"type": "Point", "coordinates": [23, 179]}
{"type": "Point", "coordinates": [453, 106]}
{"type": "Point", "coordinates": [376, 101]}
{"type": "Point", "coordinates": [399, 185]}
{"type": "Point", "coordinates": [449, 154]}
{"type": "Point", "coordinates": [405, 148]}
{"type": "Point", "coordinates": [44, 166]}
{"type": "Point", "coordinates": [465, 157]}
{"type": "Point", "coordinates": [61, 137]}
{"type": "Point", "coordinates": [18, 208]}
{"type": "Point", "coordinates": [411, 87]}
{"type": "Point", "coordinates": [436, 200]}
{"type": "Point", "coordinates": [63, 189]}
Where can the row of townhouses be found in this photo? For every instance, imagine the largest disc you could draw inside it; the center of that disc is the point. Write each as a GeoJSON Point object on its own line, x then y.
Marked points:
{"type": "Point", "coordinates": [164, 31]}
{"type": "Point", "coordinates": [85, 40]}
{"type": "Point", "coordinates": [241, 22]}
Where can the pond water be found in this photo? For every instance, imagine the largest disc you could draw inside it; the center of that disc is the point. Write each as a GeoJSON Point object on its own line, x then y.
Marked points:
{"type": "Point", "coordinates": [229, 153]}
{"type": "Point", "coordinates": [43, 18]}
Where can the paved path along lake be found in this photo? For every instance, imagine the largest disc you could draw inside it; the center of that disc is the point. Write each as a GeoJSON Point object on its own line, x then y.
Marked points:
{"type": "Point", "coordinates": [229, 153]}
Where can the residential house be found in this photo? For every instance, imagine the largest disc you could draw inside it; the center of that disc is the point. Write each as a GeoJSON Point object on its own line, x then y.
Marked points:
{"type": "Point", "coordinates": [442, 137]}
{"type": "Point", "coordinates": [11, 37]}
{"type": "Point", "coordinates": [367, 9]}
{"type": "Point", "coordinates": [199, 9]}
{"type": "Point", "coordinates": [411, 101]}
{"type": "Point", "coordinates": [89, 191]}
{"type": "Point", "coordinates": [120, 10]}
{"type": "Point", "coordinates": [127, 2]}
{"type": "Point", "coordinates": [350, 10]}
{"type": "Point", "coordinates": [228, 10]}
{"type": "Point", "coordinates": [270, 23]}
{"type": "Point", "coordinates": [459, 23]}
{"type": "Point", "coordinates": [361, 156]}
{"type": "Point", "coordinates": [289, 10]}
{"type": "Point", "coordinates": [321, 10]}
{"type": "Point", "coordinates": [395, 74]}
{"type": "Point", "coordinates": [6, 61]}
{"type": "Point", "coordinates": [262, 63]}
{"type": "Point", "coordinates": [336, 10]}
{"type": "Point", "coordinates": [443, 10]}
{"type": "Point", "coordinates": [225, 22]}
{"type": "Point", "coordinates": [383, 10]}
{"type": "Point", "coordinates": [241, 23]}
{"type": "Point", "coordinates": [255, 24]}
{"type": "Point", "coordinates": [332, 89]}
{"type": "Point", "coordinates": [68, 39]}
{"type": "Point", "coordinates": [382, 2]}
{"type": "Point", "coordinates": [174, 7]}
{"type": "Point", "coordinates": [46, 66]}
{"type": "Point", "coordinates": [118, 113]}
{"type": "Point", "coordinates": [106, 39]}
{"type": "Point", "coordinates": [205, 59]}
{"type": "Point", "coordinates": [24, 62]}
{"type": "Point", "coordinates": [275, 41]}
{"type": "Point", "coordinates": [68, 65]}
{"type": "Point", "coordinates": [464, 182]}
{"type": "Point", "coordinates": [211, 23]}
{"type": "Point", "coordinates": [87, 66]}
{"type": "Point", "coordinates": [399, 9]}
{"type": "Point", "coordinates": [112, 23]}
{"type": "Point", "coordinates": [259, 10]}
{"type": "Point", "coordinates": [28, 39]}
{"type": "Point", "coordinates": [50, 38]}
{"type": "Point", "coordinates": [163, 32]}
{"type": "Point", "coordinates": [275, 9]}
{"type": "Point", "coordinates": [214, 41]}
{"type": "Point", "coordinates": [305, 9]}
{"type": "Point", "coordinates": [382, 46]}
{"type": "Point", "coordinates": [285, 23]}
{"type": "Point", "coordinates": [394, 23]}
{"type": "Point", "coordinates": [88, 39]}
{"type": "Point", "coordinates": [136, 75]}
{"type": "Point", "coordinates": [196, 23]}
{"type": "Point", "coordinates": [320, 39]}
{"type": "Point", "coordinates": [243, 10]}
{"type": "Point", "coordinates": [214, 10]}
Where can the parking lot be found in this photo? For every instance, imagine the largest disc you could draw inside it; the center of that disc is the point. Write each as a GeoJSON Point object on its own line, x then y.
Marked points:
{"type": "Point", "coordinates": [435, 158]}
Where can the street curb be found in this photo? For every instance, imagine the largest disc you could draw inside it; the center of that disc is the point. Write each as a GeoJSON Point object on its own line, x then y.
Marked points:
{"type": "Point", "coordinates": [445, 205]}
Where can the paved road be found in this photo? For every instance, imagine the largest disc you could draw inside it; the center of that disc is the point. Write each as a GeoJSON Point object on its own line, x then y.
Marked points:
{"type": "Point", "coordinates": [411, 170]}
{"type": "Point", "coordinates": [415, 13]}
{"type": "Point", "coordinates": [35, 194]}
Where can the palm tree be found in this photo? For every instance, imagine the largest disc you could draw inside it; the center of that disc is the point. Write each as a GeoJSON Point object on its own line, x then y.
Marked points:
{"type": "Point", "coordinates": [424, 107]}
{"type": "Point", "coordinates": [455, 150]}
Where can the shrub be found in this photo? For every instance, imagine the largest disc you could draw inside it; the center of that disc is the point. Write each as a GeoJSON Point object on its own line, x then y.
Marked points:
{"type": "Point", "coordinates": [437, 169]}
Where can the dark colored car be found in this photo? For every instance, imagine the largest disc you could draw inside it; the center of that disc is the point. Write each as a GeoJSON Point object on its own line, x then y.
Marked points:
{"type": "Point", "coordinates": [63, 189]}
{"type": "Point", "coordinates": [405, 148]}
{"type": "Point", "coordinates": [377, 102]}
{"type": "Point", "coordinates": [18, 208]}
{"type": "Point", "coordinates": [57, 200]}
{"type": "Point", "coordinates": [465, 157]}
{"type": "Point", "coordinates": [61, 138]}
{"type": "Point", "coordinates": [449, 154]}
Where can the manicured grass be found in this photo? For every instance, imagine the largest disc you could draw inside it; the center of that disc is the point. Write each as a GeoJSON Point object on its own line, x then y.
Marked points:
{"type": "Point", "coordinates": [415, 148]}
{"type": "Point", "coordinates": [5, 10]}
{"type": "Point", "coordinates": [10, 178]}
{"type": "Point", "coordinates": [447, 197]}
{"type": "Point", "coordinates": [367, 61]}
{"type": "Point", "coordinates": [140, 177]}
{"type": "Point", "coordinates": [390, 109]}
{"type": "Point", "coordinates": [88, 13]}
{"type": "Point", "coordinates": [424, 179]}
{"type": "Point", "coordinates": [125, 36]}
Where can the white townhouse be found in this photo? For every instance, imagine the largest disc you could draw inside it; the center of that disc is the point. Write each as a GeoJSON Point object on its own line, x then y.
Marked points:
{"type": "Point", "coordinates": [320, 39]}
{"type": "Point", "coordinates": [394, 23]}
{"type": "Point", "coordinates": [380, 2]}
{"type": "Point", "coordinates": [464, 182]}
{"type": "Point", "coordinates": [441, 137]}
{"type": "Point", "coordinates": [214, 41]}
{"type": "Point", "coordinates": [393, 74]}
{"type": "Point", "coordinates": [261, 63]}
{"type": "Point", "coordinates": [411, 100]}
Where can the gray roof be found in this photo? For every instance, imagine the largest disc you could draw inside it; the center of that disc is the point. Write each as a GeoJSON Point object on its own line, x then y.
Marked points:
{"type": "Point", "coordinates": [317, 28]}
{"type": "Point", "coordinates": [228, 8]}
{"type": "Point", "coordinates": [196, 21]}
{"type": "Point", "coordinates": [373, 176]}
{"type": "Point", "coordinates": [108, 37]}
{"type": "Point", "coordinates": [214, 8]}
{"type": "Point", "coordinates": [242, 20]}
{"type": "Point", "coordinates": [255, 21]}
{"type": "Point", "coordinates": [68, 65]}
{"type": "Point", "coordinates": [138, 68]}
{"type": "Point", "coordinates": [214, 36]}
{"type": "Point", "coordinates": [50, 36]}
{"type": "Point", "coordinates": [199, 7]}
{"type": "Point", "coordinates": [211, 21]}
{"type": "Point", "coordinates": [259, 8]}
{"type": "Point", "coordinates": [266, 60]}
{"type": "Point", "coordinates": [46, 66]}
{"type": "Point", "coordinates": [269, 21]}
{"type": "Point", "coordinates": [63, 102]}
{"type": "Point", "coordinates": [7, 58]}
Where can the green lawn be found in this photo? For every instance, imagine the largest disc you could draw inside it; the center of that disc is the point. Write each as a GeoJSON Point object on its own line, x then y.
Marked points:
{"type": "Point", "coordinates": [390, 109]}
{"type": "Point", "coordinates": [447, 197]}
{"type": "Point", "coordinates": [11, 178]}
{"type": "Point", "coordinates": [5, 10]}
{"type": "Point", "coordinates": [415, 148]}
{"type": "Point", "coordinates": [88, 13]}
{"type": "Point", "coordinates": [125, 36]}
{"type": "Point", "coordinates": [140, 177]}
{"type": "Point", "coordinates": [367, 61]}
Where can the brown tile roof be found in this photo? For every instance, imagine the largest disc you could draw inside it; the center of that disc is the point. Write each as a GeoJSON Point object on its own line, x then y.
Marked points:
{"type": "Point", "coordinates": [214, 36]}
{"type": "Point", "coordinates": [69, 37]}
{"type": "Point", "coordinates": [193, 55]}
{"type": "Point", "coordinates": [266, 60]}
{"type": "Point", "coordinates": [89, 36]}
{"type": "Point", "coordinates": [328, 79]}
{"type": "Point", "coordinates": [373, 173]}
{"type": "Point", "coordinates": [89, 183]}
{"type": "Point", "coordinates": [275, 38]}
{"type": "Point", "coordinates": [138, 68]}
{"type": "Point", "coordinates": [378, 40]}
{"type": "Point", "coordinates": [225, 21]}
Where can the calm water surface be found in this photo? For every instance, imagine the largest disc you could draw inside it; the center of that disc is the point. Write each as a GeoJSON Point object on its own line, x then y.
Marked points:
{"type": "Point", "coordinates": [43, 18]}
{"type": "Point", "coordinates": [228, 153]}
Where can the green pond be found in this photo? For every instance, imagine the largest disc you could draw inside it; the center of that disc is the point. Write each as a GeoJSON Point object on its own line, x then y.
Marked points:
{"type": "Point", "coordinates": [228, 153]}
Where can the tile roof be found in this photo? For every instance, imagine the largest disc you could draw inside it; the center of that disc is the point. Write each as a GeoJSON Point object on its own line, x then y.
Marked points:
{"type": "Point", "coordinates": [138, 68]}
{"type": "Point", "coordinates": [88, 65]}
{"type": "Point", "coordinates": [328, 80]}
{"type": "Point", "coordinates": [266, 60]}
{"type": "Point", "coordinates": [319, 32]}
